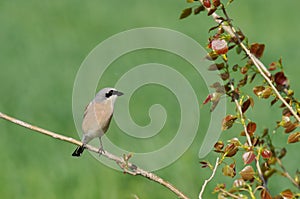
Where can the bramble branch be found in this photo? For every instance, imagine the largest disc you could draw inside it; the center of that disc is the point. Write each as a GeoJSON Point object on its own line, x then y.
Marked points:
{"type": "Point", "coordinates": [259, 65]}
{"type": "Point", "coordinates": [126, 166]}
{"type": "Point", "coordinates": [261, 176]}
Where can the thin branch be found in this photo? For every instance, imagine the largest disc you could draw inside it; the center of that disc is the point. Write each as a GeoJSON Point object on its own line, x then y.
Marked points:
{"type": "Point", "coordinates": [125, 165]}
{"type": "Point", "coordinates": [209, 179]}
{"type": "Point", "coordinates": [238, 106]}
{"type": "Point", "coordinates": [230, 194]}
{"type": "Point", "coordinates": [259, 65]}
{"type": "Point", "coordinates": [261, 176]}
{"type": "Point", "coordinates": [286, 173]}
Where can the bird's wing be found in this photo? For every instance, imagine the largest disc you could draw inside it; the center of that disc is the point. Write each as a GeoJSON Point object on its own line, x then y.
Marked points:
{"type": "Point", "coordinates": [97, 117]}
{"type": "Point", "coordinates": [86, 109]}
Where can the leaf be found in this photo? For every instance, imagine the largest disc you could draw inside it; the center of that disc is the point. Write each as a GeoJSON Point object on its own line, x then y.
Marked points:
{"type": "Point", "coordinates": [280, 79]}
{"type": "Point", "coordinates": [243, 81]}
{"type": "Point", "coordinates": [216, 67]}
{"type": "Point", "coordinates": [211, 56]}
{"type": "Point", "coordinates": [211, 11]}
{"type": "Point", "coordinates": [213, 28]}
{"type": "Point", "coordinates": [248, 157]}
{"type": "Point", "coordinates": [235, 67]}
{"type": "Point", "coordinates": [219, 146]}
{"type": "Point", "coordinates": [290, 127]}
{"type": "Point", "coordinates": [246, 105]}
{"type": "Point", "coordinates": [239, 183]}
{"type": "Point", "coordinates": [274, 101]}
{"type": "Point", "coordinates": [216, 85]}
{"type": "Point", "coordinates": [287, 194]}
{"type": "Point", "coordinates": [220, 46]}
{"type": "Point", "coordinates": [257, 90]}
{"type": "Point", "coordinates": [228, 122]}
{"type": "Point", "coordinates": [228, 171]}
{"type": "Point", "coordinates": [266, 154]}
{"type": "Point", "coordinates": [190, 1]}
{"type": "Point", "coordinates": [282, 153]}
{"type": "Point", "coordinates": [251, 127]}
{"type": "Point", "coordinates": [247, 173]}
{"type": "Point", "coordinates": [216, 3]}
{"type": "Point", "coordinates": [224, 76]}
{"type": "Point", "coordinates": [263, 92]}
{"type": "Point", "coordinates": [185, 13]}
{"type": "Point", "coordinates": [273, 66]}
{"type": "Point", "coordinates": [199, 9]}
{"type": "Point", "coordinates": [293, 138]}
{"type": "Point", "coordinates": [230, 150]}
{"type": "Point", "coordinates": [264, 194]}
{"type": "Point", "coordinates": [208, 98]}
{"type": "Point", "coordinates": [204, 164]}
{"type": "Point", "coordinates": [257, 49]}
{"type": "Point", "coordinates": [267, 92]}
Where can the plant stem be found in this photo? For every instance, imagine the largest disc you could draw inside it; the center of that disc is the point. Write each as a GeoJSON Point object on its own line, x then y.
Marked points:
{"type": "Point", "coordinates": [209, 179]}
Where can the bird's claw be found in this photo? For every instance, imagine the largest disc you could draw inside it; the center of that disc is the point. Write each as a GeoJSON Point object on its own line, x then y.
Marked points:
{"type": "Point", "coordinates": [101, 151]}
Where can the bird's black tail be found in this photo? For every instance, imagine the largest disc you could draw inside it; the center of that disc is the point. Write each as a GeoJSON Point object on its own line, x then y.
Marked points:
{"type": "Point", "coordinates": [78, 151]}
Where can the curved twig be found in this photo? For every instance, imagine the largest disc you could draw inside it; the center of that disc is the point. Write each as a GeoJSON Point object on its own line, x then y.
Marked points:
{"type": "Point", "coordinates": [209, 179]}
{"type": "Point", "coordinates": [129, 168]}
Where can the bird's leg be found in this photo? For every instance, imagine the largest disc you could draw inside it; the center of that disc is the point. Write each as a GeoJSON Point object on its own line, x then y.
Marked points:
{"type": "Point", "coordinates": [101, 150]}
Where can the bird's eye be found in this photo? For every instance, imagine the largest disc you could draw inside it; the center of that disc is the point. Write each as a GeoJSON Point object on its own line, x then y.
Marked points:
{"type": "Point", "coordinates": [108, 94]}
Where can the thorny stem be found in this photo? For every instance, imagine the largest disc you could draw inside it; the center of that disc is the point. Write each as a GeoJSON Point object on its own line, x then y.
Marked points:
{"type": "Point", "coordinates": [265, 74]}
{"type": "Point", "coordinates": [209, 179]}
{"type": "Point", "coordinates": [261, 176]}
{"type": "Point", "coordinates": [129, 168]}
{"type": "Point", "coordinates": [242, 118]}
{"type": "Point", "coordinates": [259, 65]}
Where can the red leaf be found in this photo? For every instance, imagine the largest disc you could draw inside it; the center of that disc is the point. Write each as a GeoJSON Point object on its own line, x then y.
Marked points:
{"type": "Point", "coordinates": [257, 90]}
{"type": "Point", "coordinates": [287, 194]}
{"type": "Point", "coordinates": [264, 194]}
{"type": "Point", "coordinates": [257, 49]}
{"type": "Point", "coordinates": [231, 149]}
{"type": "Point", "coordinates": [219, 46]}
{"type": "Point", "coordinates": [266, 154]}
{"type": "Point", "coordinates": [280, 79]}
{"type": "Point", "coordinates": [228, 122]}
{"type": "Point", "coordinates": [293, 138]}
{"type": "Point", "coordinates": [247, 173]}
{"type": "Point", "coordinates": [248, 157]}
{"type": "Point", "coordinates": [246, 105]}
{"type": "Point", "coordinates": [216, 3]}
{"type": "Point", "coordinates": [206, 3]}
{"type": "Point", "coordinates": [208, 98]}
{"type": "Point", "coordinates": [251, 127]}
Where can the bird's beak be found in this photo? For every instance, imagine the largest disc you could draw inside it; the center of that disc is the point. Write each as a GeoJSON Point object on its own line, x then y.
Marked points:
{"type": "Point", "coordinates": [118, 93]}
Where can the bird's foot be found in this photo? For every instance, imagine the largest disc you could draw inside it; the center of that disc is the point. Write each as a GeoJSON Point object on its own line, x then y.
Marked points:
{"type": "Point", "coordinates": [101, 151]}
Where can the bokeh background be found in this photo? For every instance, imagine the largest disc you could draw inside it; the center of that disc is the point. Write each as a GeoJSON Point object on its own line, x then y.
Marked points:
{"type": "Point", "coordinates": [42, 45]}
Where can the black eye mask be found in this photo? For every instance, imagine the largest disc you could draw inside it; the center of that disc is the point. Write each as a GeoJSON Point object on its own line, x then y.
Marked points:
{"type": "Point", "coordinates": [108, 94]}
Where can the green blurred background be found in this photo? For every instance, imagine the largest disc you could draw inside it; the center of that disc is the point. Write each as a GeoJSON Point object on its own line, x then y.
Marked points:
{"type": "Point", "coordinates": [43, 43]}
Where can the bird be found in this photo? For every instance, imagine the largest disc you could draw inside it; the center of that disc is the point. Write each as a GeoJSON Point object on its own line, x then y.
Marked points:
{"type": "Point", "coordinates": [97, 117]}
